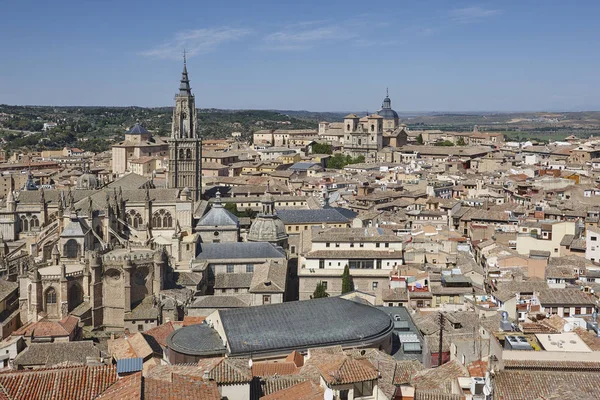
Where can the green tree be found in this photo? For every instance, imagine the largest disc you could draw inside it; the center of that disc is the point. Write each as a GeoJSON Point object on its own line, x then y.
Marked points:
{"type": "Point", "coordinates": [346, 280]}
{"type": "Point", "coordinates": [320, 291]}
{"type": "Point", "coordinates": [461, 142]}
{"type": "Point", "coordinates": [322, 148]}
{"type": "Point", "coordinates": [420, 138]}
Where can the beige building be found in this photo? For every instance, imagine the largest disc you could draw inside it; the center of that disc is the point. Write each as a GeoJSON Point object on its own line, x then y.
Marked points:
{"type": "Point", "coordinates": [138, 144]}
{"type": "Point", "coordinates": [545, 236]}
{"type": "Point", "coordinates": [370, 253]}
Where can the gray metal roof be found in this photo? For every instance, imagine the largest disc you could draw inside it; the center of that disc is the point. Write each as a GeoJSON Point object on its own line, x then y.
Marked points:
{"type": "Point", "coordinates": [311, 216]}
{"type": "Point", "coordinates": [199, 339]}
{"type": "Point", "coordinates": [218, 216]}
{"type": "Point", "coordinates": [303, 324]}
{"type": "Point", "coordinates": [303, 165]}
{"type": "Point", "coordinates": [125, 365]}
{"type": "Point", "coordinates": [238, 250]}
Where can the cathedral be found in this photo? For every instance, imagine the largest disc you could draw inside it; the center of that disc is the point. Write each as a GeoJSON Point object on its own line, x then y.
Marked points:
{"type": "Point", "coordinates": [106, 252]}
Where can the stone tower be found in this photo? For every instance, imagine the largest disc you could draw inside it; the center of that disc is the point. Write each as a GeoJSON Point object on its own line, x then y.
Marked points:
{"type": "Point", "coordinates": [185, 145]}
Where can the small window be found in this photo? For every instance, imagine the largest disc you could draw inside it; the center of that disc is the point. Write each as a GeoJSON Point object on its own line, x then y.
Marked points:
{"type": "Point", "coordinates": [351, 244]}
{"type": "Point", "coordinates": [337, 245]}
{"type": "Point", "coordinates": [327, 244]}
{"type": "Point", "coordinates": [361, 245]}
{"type": "Point", "coordinates": [387, 245]}
{"type": "Point", "coordinates": [249, 268]}
{"type": "Point", "coordinates": [556, 250]}
{"type": "Point", "coordinates": [140, 327]}
{"type": "Point", "coordinates": [593, 238]}
{"type": "Point", "coordinates": [324, 283]}
{"type": "Point", "coordinates": [375, 284]}
{"type": "Point", "coordinates": [377, 245]}
{"type": "Point", "coordinates": [229, 269]}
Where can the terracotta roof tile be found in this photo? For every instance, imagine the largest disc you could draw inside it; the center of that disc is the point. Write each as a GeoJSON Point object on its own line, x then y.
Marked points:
{"type": "Point", "coordinates": [347, 370]}
{"type": "Point", "coordinates": [296, 358]}
{"type": "Point", "coordinates": [189, 320]}
{"type": "Point", "coordinates": [161, 332]}
{"type": "Point", "coordinates": [302, 391]}
{"type": "Point", "coordinates": [58, 384]}
{"type": "Point", "coordinates": [533, 385]}
{"type": "Point", "coordinates": [439, 378]}
{"type": "Point", "coordinates": [270, 368]}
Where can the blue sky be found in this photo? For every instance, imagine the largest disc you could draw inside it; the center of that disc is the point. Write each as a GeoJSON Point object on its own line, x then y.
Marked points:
{"type": "Point", "coordinates": [314, 55]}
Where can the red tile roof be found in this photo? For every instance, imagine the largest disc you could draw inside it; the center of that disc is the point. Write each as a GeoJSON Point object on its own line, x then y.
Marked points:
{"type": "Point", "coordinates": [301, 391]}
{"type": "Point", "coordinates": [477, 368]}
{"type": "Point", "coordinates": [161, 332]}
{"type": "Point", "coordinates": [45, 328]}
{"type": "Point", "coordinates": [58, 384]}
{"type": "Point", "coordinates": [177, 388]}
{"type": "Point", "coordinates": [270, 368]}
{"type": "Point", "coordinates": [348, 370]}
{"type": "Point", "coordinates": [187, 320]}
{"type": "Point", "coordinates": [126, 388]}
{"type": "Point", "coordinates": [296, 358]}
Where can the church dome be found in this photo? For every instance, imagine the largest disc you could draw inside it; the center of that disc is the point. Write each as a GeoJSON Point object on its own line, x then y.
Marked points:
{"type": "Point", "coordinates": [87, 181]}
{"type": "Point", "coordinates": [386, 109]}
{"type": "Point", "coordinates": [267, 227]}
{"type": "Point", "coordinates": [138, 129]}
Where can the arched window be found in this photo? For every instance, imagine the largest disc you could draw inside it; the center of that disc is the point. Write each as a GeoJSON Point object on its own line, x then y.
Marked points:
{"type": "Point", "coordinates": [181, 154]}
{"type": "Point", "coordinates": [372, 128]}
{"type": "Point", "coordinates": [24, 224]}
{"type": "Point", "coordinates": [35, 222]}
{"type": "Point", "coordinates": [188, 154]}
{"type": "Point", "coordinates": [162, 219]}
{"type": "Point", "coordinates": [134, 219]}
{"type": "Point", "coordinates": [348, 127]}
{"type": "Point", "coordinates": [51, 296]}
{"type": "Point", "coordinates": [71, 249]}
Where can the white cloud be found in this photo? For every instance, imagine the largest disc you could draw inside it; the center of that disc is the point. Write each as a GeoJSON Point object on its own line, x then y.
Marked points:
{"type": "Point", "coordinates": [472, 14]}
{"type": "Point", "coordinates": [195, 41]}
{"type": "Point", "coordinates": [305, 39]}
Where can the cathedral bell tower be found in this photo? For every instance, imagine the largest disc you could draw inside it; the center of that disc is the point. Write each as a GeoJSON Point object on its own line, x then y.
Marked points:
{"type": "Point", "coordinates": [185, 144]}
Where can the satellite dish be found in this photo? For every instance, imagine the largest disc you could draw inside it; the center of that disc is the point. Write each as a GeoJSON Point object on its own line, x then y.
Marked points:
{"type": "Point", "coordinates": [250, 362]}
{"type": "Point", "coordinates": [568, 327]}
{"type": "Point", "coordinates": [328, 394]}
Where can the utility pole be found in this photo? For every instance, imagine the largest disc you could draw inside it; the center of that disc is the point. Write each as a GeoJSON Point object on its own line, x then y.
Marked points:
{"type": "Point", "coordinates": [441, 338]}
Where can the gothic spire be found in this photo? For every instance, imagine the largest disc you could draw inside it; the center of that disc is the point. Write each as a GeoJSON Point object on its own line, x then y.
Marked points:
{"type": "Point", "coordinates": [184, 86]}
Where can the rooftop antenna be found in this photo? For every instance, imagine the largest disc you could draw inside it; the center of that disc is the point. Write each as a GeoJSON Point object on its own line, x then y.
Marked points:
{"type": "Point", "coordinates": [184, 58]}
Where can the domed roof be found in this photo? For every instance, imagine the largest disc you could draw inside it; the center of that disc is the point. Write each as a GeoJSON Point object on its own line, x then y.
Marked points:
{"type": "Point", "coordinates": [267, 228]}
{"type": "Point", "coordinates": [138, 129]}
{"type": "Point", "coordinates": [87, 181]}
{"type": "Point", "coordinates": [388, 113]}
{"type": "Point", "coordinates": [386, 109]}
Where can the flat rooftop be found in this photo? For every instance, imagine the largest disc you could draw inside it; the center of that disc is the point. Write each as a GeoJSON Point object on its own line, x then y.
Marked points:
{"type": "Point", "coordinates": [565, 342]}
